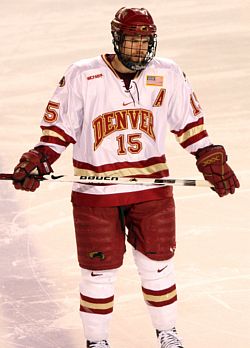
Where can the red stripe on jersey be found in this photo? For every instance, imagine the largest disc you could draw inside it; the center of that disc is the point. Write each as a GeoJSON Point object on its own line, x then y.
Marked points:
{"type": "Point", "coordinates": [117, 199]}
{"type": "Point", "coordinates": [61, 132]}
{"type": "Point", "coordinates": [119, 165]}
{"type": "Point", "coordinates": [194, 139]}
{"type": "Point", "coordinates": [53, 140]}
{"type": "Point", "coordinates": [189, 126]}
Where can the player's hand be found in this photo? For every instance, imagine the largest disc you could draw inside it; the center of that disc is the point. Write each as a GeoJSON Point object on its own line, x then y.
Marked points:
{"type": "Point", "coordinates": [22, 176]}
{"type": "Point", "coordinates": [212, 163]}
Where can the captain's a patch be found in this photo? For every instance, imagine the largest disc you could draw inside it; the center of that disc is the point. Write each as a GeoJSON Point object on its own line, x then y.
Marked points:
{"type": "Point", "coordinates": [160, 97]}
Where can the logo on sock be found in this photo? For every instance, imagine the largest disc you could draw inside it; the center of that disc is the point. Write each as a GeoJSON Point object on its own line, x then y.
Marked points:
{"type": "Point", "coordinates": [95, 274]}
{"type": "Point", "coordinates": [160, 270]}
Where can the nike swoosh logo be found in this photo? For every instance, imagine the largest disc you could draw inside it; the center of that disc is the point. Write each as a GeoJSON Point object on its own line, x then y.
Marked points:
{"type": "Point", "coordinates": [95, 274]}
{"type": "Point", "coordinates": [124, 104]}
{"type": "Point", "coordinates": [160, 270]}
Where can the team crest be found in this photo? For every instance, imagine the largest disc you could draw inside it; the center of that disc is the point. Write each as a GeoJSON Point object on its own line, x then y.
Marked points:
{"type": "Point", "coordinates": [62, 82]}
{"type": "Point", "coordinates": [98, 254]}
{"type": "Point", "coordinates": [144, 28]}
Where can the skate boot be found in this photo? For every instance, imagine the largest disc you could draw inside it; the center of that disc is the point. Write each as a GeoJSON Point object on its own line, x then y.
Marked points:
{"type": "Point", "coordinates": [169, 339]}
{"type": "Point", "coordinates": [98, 344]}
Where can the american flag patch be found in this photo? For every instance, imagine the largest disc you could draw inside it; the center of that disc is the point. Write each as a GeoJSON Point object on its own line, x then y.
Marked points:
{"type": "Point", "coordinates": [153, 80]}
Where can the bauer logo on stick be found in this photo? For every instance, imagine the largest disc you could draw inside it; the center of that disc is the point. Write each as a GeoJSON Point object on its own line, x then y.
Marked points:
{"type": "Point", "coordinates": [108, 178]}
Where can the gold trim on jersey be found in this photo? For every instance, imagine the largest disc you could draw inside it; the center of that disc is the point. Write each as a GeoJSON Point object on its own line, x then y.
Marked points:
{"type": "Point", "coordinates": [190, 133]}
{"type": "Point", "coordinates": [109, 65]}
{"type": "Point", "coordinates": [51, 133]}
{"type": "Point", "coordinates": [124, 171]}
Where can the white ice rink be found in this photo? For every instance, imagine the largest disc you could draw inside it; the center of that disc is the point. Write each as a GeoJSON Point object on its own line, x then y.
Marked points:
{"type": "Point", "coordinates": [39, 295]}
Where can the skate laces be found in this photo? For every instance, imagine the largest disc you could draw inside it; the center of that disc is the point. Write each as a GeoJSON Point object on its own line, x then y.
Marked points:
{"type": "Point", "coordinates": [169, 339]}
{"type": "Point", "coordinates": [99, 344]}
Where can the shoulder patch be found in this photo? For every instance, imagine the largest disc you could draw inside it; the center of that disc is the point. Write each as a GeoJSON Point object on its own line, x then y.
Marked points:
{"type": "Point", "coordinates": [154, 80]}
{"type": "Point", "coordinates": [62, 82]}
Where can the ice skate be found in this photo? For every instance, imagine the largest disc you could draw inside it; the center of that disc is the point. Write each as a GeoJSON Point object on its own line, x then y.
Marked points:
{"type": "Point", "coordinates": [98, 344]}
{"type": "Point", "coordinates": [169, 339]}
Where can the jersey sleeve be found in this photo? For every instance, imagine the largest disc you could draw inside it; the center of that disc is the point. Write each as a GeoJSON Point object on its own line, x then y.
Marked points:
{"type": "Point", "coordinates": [64, 113]}
{"type": "Point", "coordinates": [186, 117]}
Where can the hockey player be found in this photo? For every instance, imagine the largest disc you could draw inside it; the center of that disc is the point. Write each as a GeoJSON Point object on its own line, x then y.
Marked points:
{"type": "Point", "coordinates": [115, 110]}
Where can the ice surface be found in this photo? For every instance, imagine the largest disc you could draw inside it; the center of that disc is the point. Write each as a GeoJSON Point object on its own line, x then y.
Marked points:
{"type": "Point", "coordinates": [38, 267]}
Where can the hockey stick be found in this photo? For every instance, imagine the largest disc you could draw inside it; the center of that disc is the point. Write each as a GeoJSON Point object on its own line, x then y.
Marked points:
{"type": "Point", "coordinates": [117, 180]}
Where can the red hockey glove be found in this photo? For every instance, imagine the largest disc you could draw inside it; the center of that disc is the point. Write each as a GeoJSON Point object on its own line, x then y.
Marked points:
{"type": "Point", "coordinates": [211, 162]}
{"type": "Point", "coordinates": [22, 177]}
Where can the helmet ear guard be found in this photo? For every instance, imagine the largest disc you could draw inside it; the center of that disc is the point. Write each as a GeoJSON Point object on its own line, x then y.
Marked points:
{"type": "Point", "coordinates": [133, 22]}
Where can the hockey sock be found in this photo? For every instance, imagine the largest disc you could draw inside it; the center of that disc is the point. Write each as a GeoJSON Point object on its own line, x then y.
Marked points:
{"type": "Point", "coordinates": [96, 302]}
{"type": "Point", "coordinates": [159, 289]}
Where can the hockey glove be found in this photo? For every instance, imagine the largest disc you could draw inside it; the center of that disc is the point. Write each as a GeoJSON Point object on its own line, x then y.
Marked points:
{"type": "Point", "coordinates": [212, 163]}
{"type": "Point", "coordinates": [23, 179]}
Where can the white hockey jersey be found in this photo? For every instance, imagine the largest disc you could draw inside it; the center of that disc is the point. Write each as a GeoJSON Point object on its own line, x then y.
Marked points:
{"type": "Point", "coordinates": [120, 132]}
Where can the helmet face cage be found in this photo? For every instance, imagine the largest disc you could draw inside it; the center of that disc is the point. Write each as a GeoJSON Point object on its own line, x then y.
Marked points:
{"type": "Point", "coordinates": [142, 57]}
{"type": "Point", "coordinates": [134, 37]}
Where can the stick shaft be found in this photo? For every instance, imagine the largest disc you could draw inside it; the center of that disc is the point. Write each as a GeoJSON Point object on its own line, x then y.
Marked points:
{"type": "Point", "coordinates": [4, 176]}
{"type": "Point", "coordinates": [118, 180]}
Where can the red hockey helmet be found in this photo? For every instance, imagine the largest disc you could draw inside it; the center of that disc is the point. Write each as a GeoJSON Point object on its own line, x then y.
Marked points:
{"type": "Point", "coordinates": [134, 22]}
